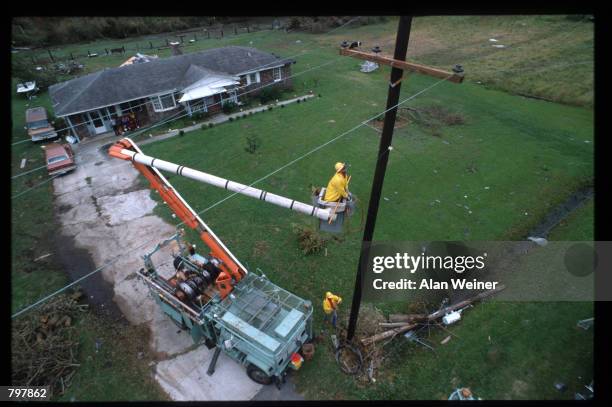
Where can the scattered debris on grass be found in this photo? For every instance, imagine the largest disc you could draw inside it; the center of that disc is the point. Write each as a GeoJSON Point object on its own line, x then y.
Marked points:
{"type": "Point", "coordinates": [309, 240]}
{"type": "Point", "coordinates": [45, 344]}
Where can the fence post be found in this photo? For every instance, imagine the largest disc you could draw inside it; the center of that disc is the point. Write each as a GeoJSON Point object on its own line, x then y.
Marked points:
{"type": "Point", "coordinates": [105, 50]}
{"type": "Point", "coordinates": [71, 56]}
{"type": "Point", "coordinates": [151, 44]}
{"type": "Point", "coordinates": [221, 33]}
{"type": "Point", "coordinates": [195, 36]}
{"type": "Point", "coordinates": [235, 30]}
{"type": "Point", "coordinates": [51, 55]}
{"type": "Point", "coordinates": [248, 29]}
{"type": "Point", "coordinates": [123, 48]}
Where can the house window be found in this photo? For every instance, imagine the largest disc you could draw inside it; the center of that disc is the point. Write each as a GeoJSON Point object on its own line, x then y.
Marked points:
{"type": "Point", "coordinates": [252, 78]}
{"type": "Point", "coordinates": [276, 74]}
{"type": "Point", "coordinates": [132, 106]}
{"type": "Point", "coordinates": [110, 113]}
{"type": "Point", "coordinates": [162, 103]}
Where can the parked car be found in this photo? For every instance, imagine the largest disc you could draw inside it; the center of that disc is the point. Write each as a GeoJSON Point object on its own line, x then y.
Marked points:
{"type": "Point", "coordinates": [59, 158]}
{"type": "Point", "coordinates": [37, 124]}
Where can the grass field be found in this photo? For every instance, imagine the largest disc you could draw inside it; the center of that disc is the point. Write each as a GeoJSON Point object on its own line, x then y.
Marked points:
{"type": "Point", "coordinates": [493, 177]}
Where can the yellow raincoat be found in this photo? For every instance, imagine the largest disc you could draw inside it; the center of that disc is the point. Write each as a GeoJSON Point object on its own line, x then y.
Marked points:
{"type": "Point", "coordinates": [337, 188]}
{"type": "Point", "coordinates": [331, 302]}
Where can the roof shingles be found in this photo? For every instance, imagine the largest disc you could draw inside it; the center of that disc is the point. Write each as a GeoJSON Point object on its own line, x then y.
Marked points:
{"type": "Point", "coordinates": [115, 85]}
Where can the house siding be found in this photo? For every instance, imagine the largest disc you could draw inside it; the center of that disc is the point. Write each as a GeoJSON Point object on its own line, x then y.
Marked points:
{"type": "Point", "coordinates": [157, 116]}
{"type": "Point", "coordinates": [265, 78]}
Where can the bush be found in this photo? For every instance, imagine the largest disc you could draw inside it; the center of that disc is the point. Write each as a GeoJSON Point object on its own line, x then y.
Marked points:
{"type": "Point", "coordinates": [181, 133]}
{"type": "Point", "coordinates": [204, 126]}
{"type": "Point", "coordinates": [210, 125]}
{"type": "Point", "coordinates": [229, 107]}
{"type": "Point", "coordinates": [268, 94]}
{"type": "Point", "coordinates": [60, 123]}
{"type": "Point", "coordinates": [231, 119]}
{"type": "Point", "coordinates": [270, 107]}
{"type": "Point", "coordinates": [253, 144]}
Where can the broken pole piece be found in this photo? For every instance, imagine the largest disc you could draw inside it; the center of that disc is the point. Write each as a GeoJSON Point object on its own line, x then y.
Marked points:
{"type": "Point", "coordinates": [23, 162]}
{"type": "Point", "coordinates": [393, 324]}
{"type": "Point", "coordinates": [431, 317]}
{"type": "Point", "coordinates": [387, 334]}
{"type": "Point", "coordinates": [407, 317]}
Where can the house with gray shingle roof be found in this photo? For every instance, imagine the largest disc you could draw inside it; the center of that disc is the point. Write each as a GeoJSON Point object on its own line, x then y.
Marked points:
{"type": "Point", "coordinates": [145, 93]}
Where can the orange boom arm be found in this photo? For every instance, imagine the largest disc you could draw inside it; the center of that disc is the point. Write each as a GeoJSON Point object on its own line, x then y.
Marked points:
{"type": "Point", "coordinates": [232, 270]}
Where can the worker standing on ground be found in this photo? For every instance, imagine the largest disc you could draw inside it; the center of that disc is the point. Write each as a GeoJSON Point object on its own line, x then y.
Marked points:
{"type": "Point", "coordinates": [337, 188]}
{"type": "Point", "coordinates": [330, 306]}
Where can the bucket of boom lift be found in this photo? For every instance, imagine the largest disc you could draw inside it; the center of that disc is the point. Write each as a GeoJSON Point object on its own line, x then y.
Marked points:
{"type": "Point", "coordinates": [339, 209]}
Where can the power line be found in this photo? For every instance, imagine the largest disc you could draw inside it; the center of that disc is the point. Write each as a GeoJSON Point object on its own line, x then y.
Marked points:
{"type": "Point", "coordinates": [363, 123]}
{"type": "Point", "coordinates": [117, 257]}
{"type": "Point", "coordinates": [235, 193]}
{"type": "Point", "coordinates": [35, 186]}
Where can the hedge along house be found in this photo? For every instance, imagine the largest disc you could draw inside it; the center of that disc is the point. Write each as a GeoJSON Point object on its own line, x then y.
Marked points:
{"type": "Point", "coordinates": [156, 90]}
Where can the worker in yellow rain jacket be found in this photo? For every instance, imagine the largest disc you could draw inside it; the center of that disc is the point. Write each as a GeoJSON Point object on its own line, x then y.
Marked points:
{"type": "Point", "coordinates": [330, 306]}
{"type": "Point", "coordinates": [337, 188]}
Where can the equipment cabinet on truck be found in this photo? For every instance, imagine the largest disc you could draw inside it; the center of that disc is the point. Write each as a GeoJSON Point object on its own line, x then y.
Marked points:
{"type": "Point", "coordinates": [259, 324]}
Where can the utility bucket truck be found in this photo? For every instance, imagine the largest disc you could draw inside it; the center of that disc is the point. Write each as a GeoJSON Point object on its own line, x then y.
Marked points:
{"type": "Point", "coordinates": [212, 295]}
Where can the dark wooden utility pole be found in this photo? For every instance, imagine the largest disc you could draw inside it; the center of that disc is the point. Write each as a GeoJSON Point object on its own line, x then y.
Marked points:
{"type": "Point", "coordinates": [401, 48]}
{"type": "Point", "coordinates": [398, 64]}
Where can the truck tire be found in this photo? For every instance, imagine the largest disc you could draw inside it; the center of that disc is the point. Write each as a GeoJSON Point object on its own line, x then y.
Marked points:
{"type": "Point", "coordinates": [258, 375]}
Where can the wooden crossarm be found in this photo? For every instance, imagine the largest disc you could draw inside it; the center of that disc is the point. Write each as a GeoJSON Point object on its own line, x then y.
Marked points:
{"type": "Point", "coordinates": [405, 65]}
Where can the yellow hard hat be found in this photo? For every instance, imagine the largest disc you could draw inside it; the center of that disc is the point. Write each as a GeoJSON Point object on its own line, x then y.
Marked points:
{"type": "Point", "coordinates": [328, 294]}
{"type": "Point", "coordinates": [339, 166]}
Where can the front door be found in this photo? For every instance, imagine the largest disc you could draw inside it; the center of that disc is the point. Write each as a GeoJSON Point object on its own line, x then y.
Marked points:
{"type": "Point", "coordinates": [96, 121]}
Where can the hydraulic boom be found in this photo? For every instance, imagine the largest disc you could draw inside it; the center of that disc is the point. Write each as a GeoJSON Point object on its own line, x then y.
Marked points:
{"type": "Point", "coordinates": [232, 270]}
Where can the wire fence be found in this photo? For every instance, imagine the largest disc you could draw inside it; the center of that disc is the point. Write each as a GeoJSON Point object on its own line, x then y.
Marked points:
{"type": "Point", "coordinates": [185, 38]}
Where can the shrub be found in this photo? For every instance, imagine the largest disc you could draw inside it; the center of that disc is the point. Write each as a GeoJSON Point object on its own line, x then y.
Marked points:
{"type": "Point", "coordinates": [211, 124]}
{"type": "Point", "coordinates": [268, 94]}
{"type": "Point", "coordinates": [204, 126]}
{"type": "Point", "coordinates": [253, 144]}
{"type": "Point", "coordinates": [231, 119]}
{"type": "Point", "coordinates": [229, 107]}
{"type": "Point", "coordinates": [181, 133]}
{"type": "Point", "coordinates": [270, 107]}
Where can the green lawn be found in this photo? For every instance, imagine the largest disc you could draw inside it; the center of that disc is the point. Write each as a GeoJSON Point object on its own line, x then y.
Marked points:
{"type": "Point", "coordinates": [530, 154]}
{"type": "Point", "coordinates": [512, 161]}
{"type": "Point", "coordinates": [577, 226]}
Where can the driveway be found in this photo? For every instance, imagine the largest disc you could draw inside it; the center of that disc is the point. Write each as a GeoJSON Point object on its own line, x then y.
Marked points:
{"type": "Point", "coordinates": [104, 210]}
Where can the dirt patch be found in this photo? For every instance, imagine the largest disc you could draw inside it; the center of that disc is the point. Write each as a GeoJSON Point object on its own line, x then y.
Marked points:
{"type": "Point", "coordinates": [519, 390]}
{"type": "Point", "coordinates": [260, 248]}
{"type": "Point", "coordinates": [433, 115]}
{"type": "Point", "coordinates": [400, 121]}
{"type": "Point", "coordinates": [77, 263]}
{"type": "Point", "coordinates": [562, 211]}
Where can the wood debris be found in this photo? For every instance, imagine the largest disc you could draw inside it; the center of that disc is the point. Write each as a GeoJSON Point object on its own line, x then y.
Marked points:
{"type": "Point", "coordinates": [412, 321]}
{"type": "Point", "coordinates": [45, 344]}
